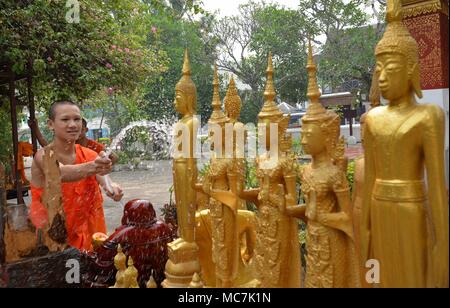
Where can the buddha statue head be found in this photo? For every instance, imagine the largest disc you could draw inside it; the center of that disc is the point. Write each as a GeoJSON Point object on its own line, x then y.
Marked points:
{"type": "Point", "coordinates": [218, 118]}
{"type": "Point", "coordinates": [232, 102]}
{"type": "Point", "coordinates": [270, 113]}
{"type": "Point", "coordinates": [397, 57]}
{"type": "Point", "coordinates": [320, 127]}
{"type": "Point", "coordinates": [186, 91]}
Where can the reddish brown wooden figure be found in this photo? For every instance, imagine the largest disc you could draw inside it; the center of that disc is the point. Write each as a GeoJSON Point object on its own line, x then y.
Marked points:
{"type": "Point", "coordinates": [142, 237]}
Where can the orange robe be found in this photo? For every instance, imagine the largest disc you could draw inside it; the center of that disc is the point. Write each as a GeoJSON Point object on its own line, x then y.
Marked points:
{"type": "Point", "coordinates": [24, 150]}
{"type": "Point", "coordinates": [95, 146]}
{"type": "Point", "coordinates": [83, 206]}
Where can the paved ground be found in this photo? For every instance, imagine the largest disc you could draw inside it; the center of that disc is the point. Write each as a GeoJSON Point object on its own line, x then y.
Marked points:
{"type": "Point", "coordinates": [152, 185]}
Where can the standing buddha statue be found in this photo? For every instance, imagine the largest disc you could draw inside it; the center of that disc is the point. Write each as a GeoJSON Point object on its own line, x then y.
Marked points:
{"type": "Point", "coordinates": [404, 219]}
{"type": "Point", "coordinates": [183, 253]}
{"type": "Point", "coordinates": [277, 245]}
{"type": "Point", "coordinates": [331, 260]}
{"type": "Point", "coordinates": [225, 243]}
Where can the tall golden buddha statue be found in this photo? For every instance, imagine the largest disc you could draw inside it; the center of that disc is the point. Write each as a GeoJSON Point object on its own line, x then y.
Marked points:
{"type": "Point", "coordinates": [219, 183]}
{"type": "Point", "coordinates": [277, 246]}
{"type": "Point", "coordinates": [405, 219]}
{"type": "Point", "coordinates": [183, 253]}
{"type": "Point", "coordinates": [331, 261]}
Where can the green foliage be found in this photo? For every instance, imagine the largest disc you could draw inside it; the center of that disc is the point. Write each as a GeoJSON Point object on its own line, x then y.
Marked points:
{"type": "Point", "coordinates": [174, 35]}
{"type": "Point", "coordinates": [351, 173]}
{"type": "Point", "coordinates": [5, 137]}
{"type": "Point", "coordinates": [258, 29]}
{"type": "Point", "coordinates": [73, 60]}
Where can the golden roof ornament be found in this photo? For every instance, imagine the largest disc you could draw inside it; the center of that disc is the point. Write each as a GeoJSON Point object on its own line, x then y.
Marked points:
{"type": "Point", "coordinates": [186, 85]}
{"type": "Point", "coordinates": [270, 109]}
{"type": "Point", "coordinates": [217, 116]}
{"type": "Point", "coordinates": [397, 39]}
{"type": "Point", "coordinates": [232, 101]}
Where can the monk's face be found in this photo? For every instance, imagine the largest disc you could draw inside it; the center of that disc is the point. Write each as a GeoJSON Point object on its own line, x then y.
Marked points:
{"type": "Point", "coordinates": [394, 79]}
{"type": "Point", "coordinates": [67, 123]}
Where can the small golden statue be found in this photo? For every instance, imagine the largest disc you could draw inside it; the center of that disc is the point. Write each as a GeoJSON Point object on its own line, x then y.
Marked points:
{"type": "Point", "coordinates": [277, 248]}
{"type": "Point", "coordinates": [131, 275]}
{"type": "Point", "coordinates": [220, 183]}
{"type": "Point", "coordinates": [120, 262]}
{"type": "Point", "coordinates": [183, 253]}
{"type": "Point", "coordinates": [331, 261]}
{"type": "Point", "coordinates": [404, 220]}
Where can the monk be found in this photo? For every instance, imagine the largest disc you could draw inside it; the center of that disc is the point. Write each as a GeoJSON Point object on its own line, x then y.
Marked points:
{"type": "Point", "coordinates": [82, 171]}
{"type": "Point", "coordinates": [83, 140]}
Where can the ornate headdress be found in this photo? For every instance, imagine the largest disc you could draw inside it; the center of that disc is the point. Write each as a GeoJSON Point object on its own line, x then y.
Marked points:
{"type": "Point", "coordinates": [217, 116]}
{"type": "Point", "coordinates": [186, 85]}
{"type": "Point", "coordinates": [397, 39]}
{"type": "Point", "coordinates": [270, 112]}
{"type": "Point", "coordinates": [232, 101]}
{"type": "Point", "coordinates": [316, 113]}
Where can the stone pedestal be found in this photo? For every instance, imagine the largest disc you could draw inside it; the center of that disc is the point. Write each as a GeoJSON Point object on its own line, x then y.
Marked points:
{"type": "Point", "coordinates": [182, 265]}
{"type": "Point", "coordinates": [428, 23]}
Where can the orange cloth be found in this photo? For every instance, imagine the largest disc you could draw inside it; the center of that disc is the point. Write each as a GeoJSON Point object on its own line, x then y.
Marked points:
{"type": "Point", "coordinates": [83, 206]}
{"type": "Point", "coordinates": [25, 149]}
{"type": "Point", "coordinates": [95, 146]}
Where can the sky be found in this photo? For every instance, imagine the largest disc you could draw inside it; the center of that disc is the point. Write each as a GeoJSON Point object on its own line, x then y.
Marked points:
{"type": "Point", "coordinates": [230, 7]}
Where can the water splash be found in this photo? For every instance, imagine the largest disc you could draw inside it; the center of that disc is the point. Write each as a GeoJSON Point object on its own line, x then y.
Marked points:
{"type": "Point", "coordinates": [161, 133]}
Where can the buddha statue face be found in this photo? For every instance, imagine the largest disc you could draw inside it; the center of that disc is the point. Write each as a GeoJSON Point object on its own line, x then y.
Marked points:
{"type": "Point", "coordinates": [313, 140]}
{"type": "Point", "coordinates": [394, 76]}
{"type": "Point", "coordinates": [181, 102]}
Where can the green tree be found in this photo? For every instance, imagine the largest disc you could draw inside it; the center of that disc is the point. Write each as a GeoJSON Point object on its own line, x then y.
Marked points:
{"type": "Point", "coordinates": [174, 35]}
{"type": "Point", "coordinates": [352, 31]}
{"type": "Point", "coordinates": [245, 41]}
{"type": "Point", "coordinates": [74, 60]}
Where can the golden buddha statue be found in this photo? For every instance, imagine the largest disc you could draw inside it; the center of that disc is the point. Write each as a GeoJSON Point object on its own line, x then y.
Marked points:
{"type": "Point", "coordinates": [277, 247]}
{"type": "Point", "coordinates": [331, 261]}
{"type": "Point", "coordinates": [120, 262]}
{"type": "Point", "coordinates": [404, 219]}
{"type": "Point", "coordinates": [220, 183]}
{"type": "Point", "coordinates": [183, 253]}
{"type": "Point", "coordinates": [131, 275]}
{"type": "Point", "coordinates": [358, 184]}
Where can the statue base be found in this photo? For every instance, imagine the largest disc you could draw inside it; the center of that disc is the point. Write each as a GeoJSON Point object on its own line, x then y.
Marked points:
{"type": "Point", "coordinates": [183, 263]}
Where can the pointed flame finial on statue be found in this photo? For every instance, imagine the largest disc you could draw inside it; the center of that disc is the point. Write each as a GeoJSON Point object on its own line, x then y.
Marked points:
{"type": "Point", "coordinates": [270, 108]}
{"type": "Point", "coordinates": [217, 116]}
{"type": "Point", "coordinates": [315, 108]}
{"type": "Point", "coordinates": [186, 64]}
{"type": "Point", "coordinates": [232, 101]}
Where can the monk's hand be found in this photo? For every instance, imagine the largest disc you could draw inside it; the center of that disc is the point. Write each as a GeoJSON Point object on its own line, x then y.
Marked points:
{"type": "Point", "coordinates": [117, 193]}
{"type": "Point", "coordinates": [102, 164]}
